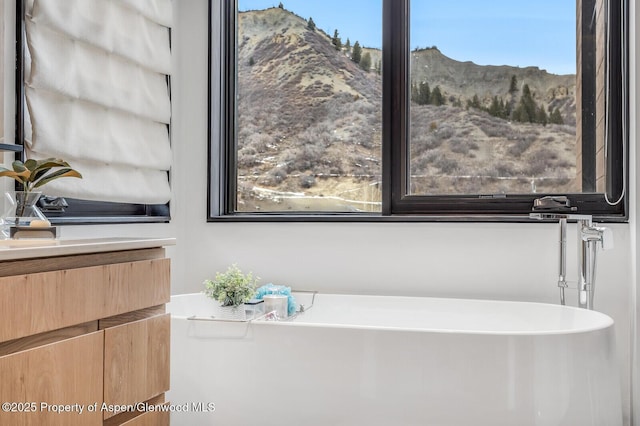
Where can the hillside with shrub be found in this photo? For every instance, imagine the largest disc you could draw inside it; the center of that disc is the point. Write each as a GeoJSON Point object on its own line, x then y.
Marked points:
{"type": "Point", "coordinates": [310, 121]}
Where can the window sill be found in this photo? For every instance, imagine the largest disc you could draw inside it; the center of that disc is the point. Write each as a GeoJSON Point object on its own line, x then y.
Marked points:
{"type": "Point", "coordinates": [373, 218]}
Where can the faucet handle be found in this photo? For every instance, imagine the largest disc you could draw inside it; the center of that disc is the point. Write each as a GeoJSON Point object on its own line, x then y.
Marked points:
{"type": "Point", "coordinates": [607, 239]}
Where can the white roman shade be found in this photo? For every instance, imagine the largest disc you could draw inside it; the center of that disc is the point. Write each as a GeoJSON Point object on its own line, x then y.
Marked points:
{"type": "Point", "coordinates": [97, 93]}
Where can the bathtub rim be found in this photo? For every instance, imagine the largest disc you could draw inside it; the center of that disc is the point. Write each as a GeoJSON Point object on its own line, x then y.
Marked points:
{"type": "Point", "coordinates": [604, 321]}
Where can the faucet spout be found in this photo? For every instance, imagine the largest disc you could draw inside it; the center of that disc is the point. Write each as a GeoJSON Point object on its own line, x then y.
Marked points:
{"type": "Point", "coordinates": [589, 236]}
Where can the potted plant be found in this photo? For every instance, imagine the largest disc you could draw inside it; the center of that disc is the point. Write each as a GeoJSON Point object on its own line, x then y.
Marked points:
{"type": "Point", "coordinates": [232, 289]}
{"type": "Point", "coordinates": [33, 174]}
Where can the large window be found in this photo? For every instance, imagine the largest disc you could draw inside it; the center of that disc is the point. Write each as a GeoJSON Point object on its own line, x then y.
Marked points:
{"type": "Point", "coordinates": [417, 109]}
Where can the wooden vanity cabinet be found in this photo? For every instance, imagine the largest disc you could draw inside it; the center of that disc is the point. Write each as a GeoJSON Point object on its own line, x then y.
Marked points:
{"type": "Point", "coordinates": [84, 339]}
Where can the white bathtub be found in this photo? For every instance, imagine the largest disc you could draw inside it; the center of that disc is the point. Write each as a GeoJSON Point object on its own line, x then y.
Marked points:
{"type": "Point", "coordinates": [377, 360]}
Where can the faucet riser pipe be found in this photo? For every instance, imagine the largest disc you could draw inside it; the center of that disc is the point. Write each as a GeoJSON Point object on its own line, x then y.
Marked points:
{"type": "Point", "coordinates": [562, 273]}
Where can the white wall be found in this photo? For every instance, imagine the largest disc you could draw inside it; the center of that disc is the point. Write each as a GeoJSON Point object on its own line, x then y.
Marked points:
{"type": "Point", "coordinates": [497, 261]}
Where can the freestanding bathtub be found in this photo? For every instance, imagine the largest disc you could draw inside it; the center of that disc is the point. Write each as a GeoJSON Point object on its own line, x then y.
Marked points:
{"type": "Point", "coordinates": [378, 360]}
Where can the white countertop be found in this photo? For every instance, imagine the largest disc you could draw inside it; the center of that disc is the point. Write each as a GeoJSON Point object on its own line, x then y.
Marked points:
{"type": "Point", "coordinates": [34, 248]}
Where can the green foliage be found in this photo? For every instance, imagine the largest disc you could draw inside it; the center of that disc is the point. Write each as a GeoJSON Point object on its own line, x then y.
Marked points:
{"type": "Point", "coordinates": [474, 103]}
{"type": "Point", "coordinates": [527, 111]}
{"type": "Point", "coordinates": [555, 117]}
{"type": "Point", "coordinates": [311, 25]}
{"type": "Point", "coordinates": [251, 61]}
{"type": "Point", "coordinates": [231, 288]}
{"type": "Point", "coordinates": [365, 62]}
{"type": "Point", "coordinates": [421, 94]}
{"type": "Point", "coordinates": [33, 174]}
{"type": "Point", "coordinates": [356, 53]}
{"type": "Point", "coordinates": [513, 87]}
{"type": "Point", "coordinates": [347, 45]}
{"type": "Point", "coordinates": [281, 6]}
{"type": "Point", "coordinates": [424, 93]}
{"type": "Point", "coordinates": [541, 116]}
{"type": "Point", "coordinates": [337, 43]}
{"type": "Point", "coordinates": [437, 98]}
{"type": "Point", "coordinates": [498, 108]}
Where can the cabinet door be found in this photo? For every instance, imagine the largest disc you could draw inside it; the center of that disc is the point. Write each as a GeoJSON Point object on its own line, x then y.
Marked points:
{"type": "Point", "coordinates": [50, 384]}
{"type": "Point", "coordinates": [136, 364]}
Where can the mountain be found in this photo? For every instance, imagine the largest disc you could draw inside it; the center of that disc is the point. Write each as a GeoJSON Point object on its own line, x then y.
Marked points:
{"type": "Point", "coordinates": [465, 79]}
{"type": "Point", "coordinates": [309, 121]}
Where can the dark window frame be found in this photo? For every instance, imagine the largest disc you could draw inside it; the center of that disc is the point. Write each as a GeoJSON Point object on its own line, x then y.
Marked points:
{"type": "Point", "coordinates": [79, 212]}
{"type": "Point", "coordinates": [397, 205]}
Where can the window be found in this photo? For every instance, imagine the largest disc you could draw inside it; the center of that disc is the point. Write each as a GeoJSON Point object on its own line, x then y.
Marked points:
{"type": "Point", "coordinates": [98, 97]}
{"type": "Point", "coordinates": [461, 110]}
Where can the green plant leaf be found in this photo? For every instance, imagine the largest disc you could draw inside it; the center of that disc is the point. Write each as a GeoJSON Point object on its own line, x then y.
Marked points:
{"type": "Point", "coordinates": [49, 163]}
{"type": "Point", "coordinates": [35, 173]}
{"type": "Point", "coordinates": [21, 176]}
{"type": "Point", "coordinates": [66, 172]}
{"type": "Point", "coordinates": [31, 164]}
{"type": "Point", "coordinates": [18, 166]}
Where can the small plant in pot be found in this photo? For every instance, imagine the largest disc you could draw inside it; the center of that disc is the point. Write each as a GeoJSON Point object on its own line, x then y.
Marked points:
{"type": "Point", "coordinates": [32, 174]}
{"type": "Point", "coordinates": [232, 288]}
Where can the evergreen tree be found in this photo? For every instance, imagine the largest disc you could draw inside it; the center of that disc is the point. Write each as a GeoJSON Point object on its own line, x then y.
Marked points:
{"type": "Point", "coordinates": [513, 87]}
{"type": "Point", "coordinates": [356, 53]}
{"type": "Point", "coordinates": [474, 103]}
{"type": "Point", "coordinates": [347, 45]}
{"type": "Point", "coordinates": [555, 117]}
{"type": "Point", "coordinates": [281, 6]}
{"type": "Point", "coordinates": [437, 98]}
{"type": "Point", "coordinates": [424, 94]}
{"type": "Point", "coordinates": [526, 111]}
{"type": "Point", "coordinates": [496, 109]}
{"type": "Point", "coordinates": [311, 25]}
{"type": "Point", "coordinates": [414, 92]}
{"type": "Point", "coordinates": [379, 67]}
{"type": "Point", "coordinates": [365, 62]}
{"type": "Point", "coordinates": [541, 116]}
{"type": "Point", "coordinates": [337, 43]}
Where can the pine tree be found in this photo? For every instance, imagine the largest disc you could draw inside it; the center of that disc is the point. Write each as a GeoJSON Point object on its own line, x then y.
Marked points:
{"type": "Point", "coordinates": [437, 98]}
{"type": "Point", "coordinates": [541, 116]}
{"type": "Point", "coordinates": [495, 109]}
{"type": "Point", "coordinates": [474, 103]}
{"type": "Point", "coordinates": [281, 6]}
{"type": "Point", "coordinates": [555, 117]}
{"type": "Point", "coordinates": [337, 43]}
{"type": "Point", "coordinates": [365, 62]}
{"type": "Point", "coordinates": [356, 53]}
{"type": "Point", "coordinates": [347, 45]}
{"type": "Point", "coordinates": [311, 25]}
{"type": "Point", "coordinates": [379, 67]}
{"type": "Point", "coordinates": [424, 93]}
{"type": "Point", "coordinates": [414, 92]}
{"type": "Point", "coordinates": [527, 108]}
{"type": "Point", "coordinates": [513, 87]}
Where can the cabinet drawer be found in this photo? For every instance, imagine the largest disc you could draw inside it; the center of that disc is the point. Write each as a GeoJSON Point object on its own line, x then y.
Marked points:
{"type": "Point", "coordinates": [155, 418]}
{"type": "Point", "coordinates": [66, 373]}
{"type": "Point", "coordinates": [40, 302]}
{"type": "Point", "coordinates": [136, 361]}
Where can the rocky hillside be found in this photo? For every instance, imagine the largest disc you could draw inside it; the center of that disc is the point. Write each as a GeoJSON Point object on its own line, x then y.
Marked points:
{"type": "Point", "coordinates": [309, 121]}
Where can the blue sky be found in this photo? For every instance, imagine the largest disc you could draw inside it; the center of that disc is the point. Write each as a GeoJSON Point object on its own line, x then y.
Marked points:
{"type": "Point", "coordinates": [488, 32]}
